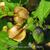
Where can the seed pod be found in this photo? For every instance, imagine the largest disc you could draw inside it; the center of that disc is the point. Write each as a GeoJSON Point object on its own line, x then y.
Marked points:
{"type": "Point", "coordinates": [17, 34]}
{"type": "Point", "coordinates": [22, 12]}
{"type": "Point", "coordinates": [20, 36]}
{"type": "Point", "coordinates": [13, 31]}
{"type": "Point", "coordinates": [48, 44]}
{"type": "Point", "coordinates": [19, 20]}
{"type": "Point", "coordinates": [2, 4]}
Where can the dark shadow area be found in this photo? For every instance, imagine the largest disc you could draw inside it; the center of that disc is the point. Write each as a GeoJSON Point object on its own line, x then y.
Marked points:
{"type": "Point", "coordinates": [32, 5]}
{"type": "Point", "coordinates": [47, 35]}
{"type": "Point", "coordinates": [47, 22]}
{"type": "Point", "coordinates": [46, 48]}
{"type": "Point", "coordinates": [47, 39]}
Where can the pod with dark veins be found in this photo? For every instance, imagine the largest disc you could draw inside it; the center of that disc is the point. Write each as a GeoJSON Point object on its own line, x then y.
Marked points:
{"type": "Point", "coordinates": [16, 33]}
{"type": "Point", "coordinates": [13, 31]}
{"type": "Point", "coordinates": [21, 36]}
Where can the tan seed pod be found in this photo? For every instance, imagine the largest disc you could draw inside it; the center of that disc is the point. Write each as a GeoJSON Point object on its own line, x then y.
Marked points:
{"type": "Point", "coordinates": [48, 44]}
{"type": "Point", "coordinates": [13, 31]}
{"type": "Point", "coordinates": [2, 5]}
{"type": "Point", "coordinates": [22, 12]}
{"type": "Point", "coordinates": [17, 34]}
{"type": "Point", "coordinates": [17, 9]}
{"type": "Point", "coordinates": [19, 20]}
{"type": "Point", "coordinates": [20, 36]}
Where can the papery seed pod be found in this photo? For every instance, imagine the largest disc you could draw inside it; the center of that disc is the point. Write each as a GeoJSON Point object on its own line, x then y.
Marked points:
{"type": "Point", "coordinates": [2, 4]}
{"type": "Point", "coordinates": [13, 31]}
{"type": "Point", "coordinates": [21, 36]}
{"type": "Point", "coordinates": [48, 44]}
{"type": "Point", "coordinates": [22, 12]}
{"type": "Point", "coordinates": [17, 34]}
{"type": "Point", "coordinates": [17, 9]}
{"type": "Point", "coordinates": [18, 20]}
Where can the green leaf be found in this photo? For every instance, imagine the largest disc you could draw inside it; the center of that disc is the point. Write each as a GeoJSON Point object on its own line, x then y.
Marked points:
{"type": "Point", "coordinates": [1, 13]}
{"type": "Point", "coordinates": [42, 11]}
{"type": "Point", "coordinates": [30, 20]}
{"type": "Point", "coordinates": [3, 46]}
{"type": "Point", "coordinates": [5, 39]}
{"type": "Point", "coordinates": [10, 14]}
{"type": "Point", "coordinates": [38, 37]}
{"type": "Point", "coordinates": [30, 24]}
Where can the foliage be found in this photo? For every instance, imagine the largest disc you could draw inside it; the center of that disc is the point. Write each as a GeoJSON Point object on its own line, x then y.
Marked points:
{"type": "Point", "coordinates": [42, 11]}
{"type": "Point", "coordinates": [36, 19]}
{"type": "Point", "coordinates": [5, 41]}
